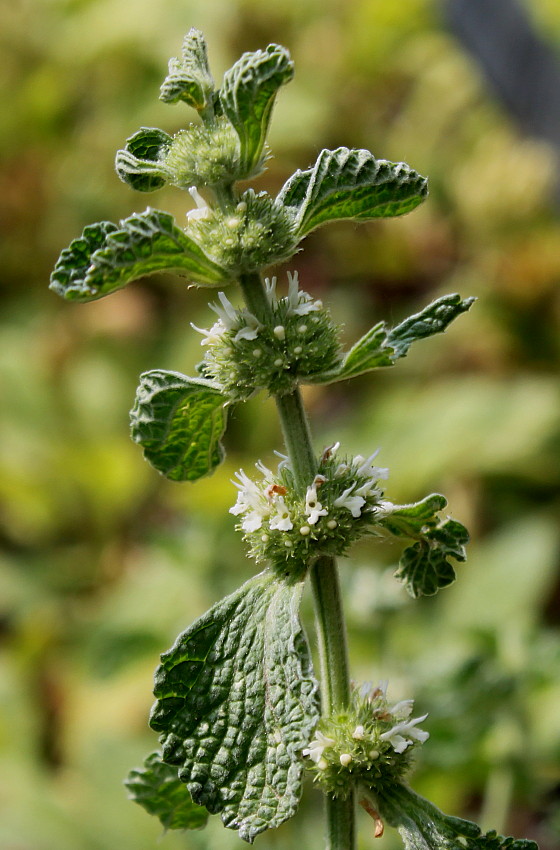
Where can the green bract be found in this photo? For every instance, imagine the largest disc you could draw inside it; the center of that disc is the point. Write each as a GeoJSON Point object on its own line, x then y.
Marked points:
{"type": "Point", "coordinates": [141, 163]}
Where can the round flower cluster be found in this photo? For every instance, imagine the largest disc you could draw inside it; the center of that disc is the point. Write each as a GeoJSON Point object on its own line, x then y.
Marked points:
{"type": "Point", "coordinates": [255, 233]}
{"type": "Point", "coordinates": [204, 156]}
{"type": "Point", "coordinates": [286, 527]}
{"type": "Point", "coordinates": [244, 355]}
{"type": "Point", "coordinates": [372, 742]}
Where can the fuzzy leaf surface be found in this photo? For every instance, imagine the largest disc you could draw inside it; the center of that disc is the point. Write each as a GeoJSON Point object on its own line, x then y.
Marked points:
{"type": "Point", "coordinates": [107, 257]}
{"type": "Point", "coordinates": [157, 788]}
{"type": "Point", "coordinates": [189, 78]}
{"type": "Point", "coordinates": [382, 346]}
{"type": "Point", "coordinates": [247, 97]}
{"type": "Point", "coordinates": [424, 567]}
{"type": "Point", "coordinates": [140, 163]}
{"type": "Point", "coordinates": [422, 826]}
{"type": "Point", "coordinates": [350, 184]}
{"type": "Point", "coordinates": [236, 704]}
{"type": "Point", "coordinates": [179, 423]}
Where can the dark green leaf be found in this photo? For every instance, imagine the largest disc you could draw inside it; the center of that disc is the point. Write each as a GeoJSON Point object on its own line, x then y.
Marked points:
{"type": "Point", "coordinates": [107, 257]}
{"type": "Point", "coordinates": [424, 567]}
{"type": "Point", "coordinates": [247, 97]}
{"type": "Point", "coordinates": [179, 423]}
{"type": "Point", "coordinates": [189, 77]}
{"type": "Point", "coordinates": [383, 347]}
{"type": "Point", "coordinates": [350, 184]}
{"type": "Point", "coordinates": [140, 163]}
{"type": "Point", "coordinates": [157, 788]}
{"type": "Point", "coordinates": [237, 704]}
{"type": "Point", "coordinates": [423, 826]}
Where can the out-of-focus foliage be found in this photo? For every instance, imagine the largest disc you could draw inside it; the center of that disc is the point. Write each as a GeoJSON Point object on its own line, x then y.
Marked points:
{"type": "Point", "coordinates": [104, 562]}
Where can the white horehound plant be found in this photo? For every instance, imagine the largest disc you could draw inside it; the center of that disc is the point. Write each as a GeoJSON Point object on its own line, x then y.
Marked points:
{"type": "Point", "coordinates": [239, 712]}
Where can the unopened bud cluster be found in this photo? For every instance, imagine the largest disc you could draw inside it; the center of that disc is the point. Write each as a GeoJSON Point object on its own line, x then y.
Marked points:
{"type": "Point", "coordinates": [204, 155]}
{"type": "Point", "coordinates": [286, 527]}
{"type": "Point", "coordinates": [249, 236]}
{"type": "Point", "coordinates": [243, 355]}
{"type": "Point", "coordinates": [371, 743]}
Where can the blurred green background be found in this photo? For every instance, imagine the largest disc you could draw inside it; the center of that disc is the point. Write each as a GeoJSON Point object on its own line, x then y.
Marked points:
{"type": "Point", "coordinates": [103, 562]}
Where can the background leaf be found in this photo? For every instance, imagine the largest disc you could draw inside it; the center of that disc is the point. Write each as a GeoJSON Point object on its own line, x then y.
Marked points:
{"type": "Point", "coordinates": [179, 422]}
{"type": "Point", "coordinates": [237, 704]}
{"type": "Point", "coordinates": [106, 257]}
{"type": "Point", "coordinates": [247, 96]}
{"type": "Point", "coordinates": [424, 567]}
{"type": "Point", "coordinates": [157, 788]}
{"type": "Point", "coordinates": [351, 184]}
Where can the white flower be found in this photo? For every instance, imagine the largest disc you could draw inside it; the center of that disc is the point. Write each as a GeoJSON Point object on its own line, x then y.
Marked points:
{"type": "Point", "coordinates": [359, 733]}
{"type": "Point", "coordinates": [317, 746]}
{"type": "Point", "coordinates": [366, 468]}
{"type": "Point", "coordinates": [313, 508]}
{"type": "Point", "coordinates": [212, 336]}
{"type": "Point", "coordinates": [281, 520]}
{"type": "Point", "coordinates": [227, 313]}
{"type": "Point", "coordinates": [202, 210]}
{"type": "Point", "coordinates": [354, 504]}
{"type": "Point", "coordinates": [251, 329]}
{"type": "Point", "coordinates": [403, 709]}
{"type": "Point", "coordinates": [403, 735]}
{"type": "Point", "coordinates": [251, 502]}
{"type": "Point", "coordinates": [299, 303]}
{"type": "Point", "coordinates": [270, 286]}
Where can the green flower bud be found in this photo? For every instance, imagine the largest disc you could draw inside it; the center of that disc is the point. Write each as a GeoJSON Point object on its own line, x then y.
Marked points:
{"type": "Point", "coordinates": [252, 235]}
{"type": "Point", "coordinates": [204, 155]}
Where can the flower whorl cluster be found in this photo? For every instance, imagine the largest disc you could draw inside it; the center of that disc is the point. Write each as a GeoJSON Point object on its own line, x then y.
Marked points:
{"type": "Point", "coordinates": [243, 355]}
{"type": "Point", "coordinates": [285, 526]}
{"type": "Point", "coordinates": [371, 743]}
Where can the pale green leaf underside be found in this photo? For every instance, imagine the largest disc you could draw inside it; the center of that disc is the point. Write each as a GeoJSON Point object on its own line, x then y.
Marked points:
{"type": "Point", "coordinates": [236, 704]}
{"type": "Point", "coordinates": [424, 567]}
{"type": "Point", "coordinates": [179, 423]}
{"type": "Point", "coordinates": [140, 163]}
{"type": "Point", "coordinates": [382, 346]}
{"type": "Point", "coordinates": [350, 184]}
{"type": "Point", "coordinates": [157, 788]}
{"type": "Point", "coordinates": [189, 78]}
{"type": "Point", "coordinates": [107, 257]}
{"type": "Point", "coordinates": [247, 96]}
{"type": "Point", "coordinates": [422, 826]}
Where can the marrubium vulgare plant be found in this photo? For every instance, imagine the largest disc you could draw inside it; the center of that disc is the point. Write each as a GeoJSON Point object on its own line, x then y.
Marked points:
{"type": "Point", "coordinates": [240, 713]}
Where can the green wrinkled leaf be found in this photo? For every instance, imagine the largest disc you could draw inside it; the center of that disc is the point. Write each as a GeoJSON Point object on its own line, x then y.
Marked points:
{"type": "Point", "coordinates": [422, 826]}
{"type": "Point", "coordinates": [236, 704]}
{"type": "Point", "coordinates": [157, 788]}
{"type": "Point", "coordinates": [350, 184]}
{"type": "Point", "coordinates": [189, 78]}
{"type": "Point", "coordinates": [381, 346]}
{"type": "Point", "coordinates": [247, 96]}
{"type": "Point", "coordinates": [140, 163]}
{"type": "Point", "coordinates": [433, 319]}
{"type": "Point", "coordinates": [424, 567]}
{"type": "Point", "coordinates": [107, 257]}
{"type": "Point", "coordinates": [179, 423]}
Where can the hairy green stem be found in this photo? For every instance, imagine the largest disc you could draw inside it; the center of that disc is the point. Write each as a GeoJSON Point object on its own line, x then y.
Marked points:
{"type": "Point", "coordinates": [329, 616]}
